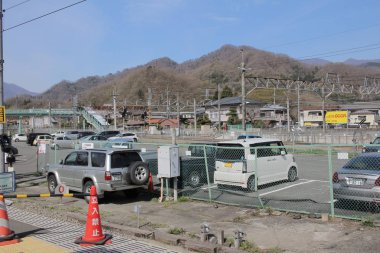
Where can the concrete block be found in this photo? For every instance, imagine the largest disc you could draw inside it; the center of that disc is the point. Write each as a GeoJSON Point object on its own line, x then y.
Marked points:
{"type": "Point", "coordinates": [202, 247]}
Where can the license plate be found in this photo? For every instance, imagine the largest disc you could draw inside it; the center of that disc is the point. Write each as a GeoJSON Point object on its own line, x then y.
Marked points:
{"type": "Point", "coordinates": [228, 165]}
{"type": "Point", "coordinates": [355, 181]}
{"type": "Point", "coordinates": [116, 177]}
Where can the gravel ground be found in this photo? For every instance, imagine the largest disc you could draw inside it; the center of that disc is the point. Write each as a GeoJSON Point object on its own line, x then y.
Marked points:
{"type": "Point", "coordinates": [267, 229]}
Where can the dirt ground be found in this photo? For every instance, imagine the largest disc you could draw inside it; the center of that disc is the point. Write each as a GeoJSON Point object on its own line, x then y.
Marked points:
{"type": "Point", "coordinates": [266, 229]}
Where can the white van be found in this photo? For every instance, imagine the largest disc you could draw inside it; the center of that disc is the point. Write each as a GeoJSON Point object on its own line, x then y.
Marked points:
{"type": "Point", "coordinates": [235, 163]}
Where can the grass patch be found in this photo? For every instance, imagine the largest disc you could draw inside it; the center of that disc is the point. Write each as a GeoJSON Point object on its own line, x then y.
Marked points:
{"type": "Point", "coordinates": [368, 221]}
{"type": "Point", "coordinates": [176, 231]}
{"type": "Point", "coordinates": [74, 209]}
{"type": "Point", "coordinates": [184, 199]}
{"type": "Point", "coordinates": [238, 219]}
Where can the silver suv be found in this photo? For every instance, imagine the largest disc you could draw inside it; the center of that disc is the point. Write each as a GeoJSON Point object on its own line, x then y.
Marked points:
{"type": "Point", "coordinates": [108, 169]}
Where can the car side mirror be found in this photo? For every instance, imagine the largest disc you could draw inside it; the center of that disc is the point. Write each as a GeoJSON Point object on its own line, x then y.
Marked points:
{"type": "Point", "coordinates": [61, 161]}
{"type": "Point", "coordinates": [283, 152]}
{"type": "Point", "coordinates": [371, 142]}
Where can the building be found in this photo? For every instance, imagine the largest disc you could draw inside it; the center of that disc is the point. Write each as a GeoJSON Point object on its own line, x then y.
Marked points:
{"type": "Point", "coordinates": [211, 108]}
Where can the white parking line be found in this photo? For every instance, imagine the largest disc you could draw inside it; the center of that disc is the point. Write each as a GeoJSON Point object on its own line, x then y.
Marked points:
{"type": "Point", "coordinates": [287, 187]}
{"type": "Point", "coordinates": [316, 180]}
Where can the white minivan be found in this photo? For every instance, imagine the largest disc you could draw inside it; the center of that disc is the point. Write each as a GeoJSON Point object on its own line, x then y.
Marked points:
{"type": "Point", "coordinates": [235, 163]}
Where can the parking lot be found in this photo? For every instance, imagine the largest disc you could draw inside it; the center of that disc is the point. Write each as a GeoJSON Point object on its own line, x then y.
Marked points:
{"type": "Point", "coordinates": [310, 193]}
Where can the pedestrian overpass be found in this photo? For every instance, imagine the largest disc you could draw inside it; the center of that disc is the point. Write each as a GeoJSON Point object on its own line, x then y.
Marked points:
{"type": "Point", "coordinates": [96, 120]}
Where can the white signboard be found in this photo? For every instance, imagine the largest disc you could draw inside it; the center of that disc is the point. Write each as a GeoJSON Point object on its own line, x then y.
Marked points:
{"type": "Point", "coordinates": [343, 156]}
{"type": "Point", "coordinates": [7, 182]}
{"type": "Point", "coordinates": [87, 145]}
{"type": "Point", "coordinates": [41, 148]}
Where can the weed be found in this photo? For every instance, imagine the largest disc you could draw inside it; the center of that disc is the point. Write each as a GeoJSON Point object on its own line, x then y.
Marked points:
{"type": "Point", "coordinates": [368, 221]}
{"type": "Point", "coordinates": [183, 199]}
{"type": "Point", "coordinates": [176, 231]}
{"type": "Point", "coordinates": [230, 241]}
{"type": "Point", "coordinates": [74, 209]}
{"type": "Point", "coordinates": [193, 235]}
{"type": "Point", "coordinates": [269, 210]}
{"type": "Point", "coordinates": [249, 247]}
{"type": "Point", "coordinates": [238, 219]}
{"type": "Point", "coordinates": [157, 225]}
{"type": "Point", "coordinates": [154, 200]}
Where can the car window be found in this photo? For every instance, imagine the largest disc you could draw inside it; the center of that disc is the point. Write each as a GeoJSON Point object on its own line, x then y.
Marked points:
{"type": "Point", "coordinates": [227, 151]}
{"type": "Point", "coordinates": [364, 163]}
{"type": "Point", "coordinates": [71, 159]}
{"type": "Point", "coordinates": [98, 159]}
{"type": "Point", "coordinates": [82, 159]}
{"type": "Point", "coordinates": [376, 141]}
{"type": "Point", "coordinates": [271, 149]}
{"type": "Point", "coordinates": [123, 159]}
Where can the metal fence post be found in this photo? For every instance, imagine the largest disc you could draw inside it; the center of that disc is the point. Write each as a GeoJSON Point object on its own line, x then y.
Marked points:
{"type": "Point", "coordinates": [207, 175]}
{"type": "Point", "coordinates": [329, 154]}
{"type": "Point", "coordinates": [256, 178]}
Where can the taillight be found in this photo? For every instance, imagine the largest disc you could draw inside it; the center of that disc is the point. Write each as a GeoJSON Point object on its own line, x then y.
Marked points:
{"type": "Point", "coordinates": [107, 176]}
{"type": "Point", "coordinates": [377, 182]}
{"type": "Point", "coordinates": [335, 178]}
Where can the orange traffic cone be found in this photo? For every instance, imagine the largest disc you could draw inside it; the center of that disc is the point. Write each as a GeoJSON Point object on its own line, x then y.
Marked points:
{"type": "Point", "coordinates": [93, 234]}
{"type": "Point", "coordinates": [150, 184]}
{"type": "Point", "coordinates": [6, 234]}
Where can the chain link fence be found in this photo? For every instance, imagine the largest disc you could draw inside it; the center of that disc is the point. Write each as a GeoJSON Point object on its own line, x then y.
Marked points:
{"type": "Point", "coordinates": [338, 180]}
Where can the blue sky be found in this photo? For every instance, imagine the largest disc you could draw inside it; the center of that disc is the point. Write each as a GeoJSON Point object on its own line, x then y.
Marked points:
{"type": "Point", "coordinates": [98, 37]}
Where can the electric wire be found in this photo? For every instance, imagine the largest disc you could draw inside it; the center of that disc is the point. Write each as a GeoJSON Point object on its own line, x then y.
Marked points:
{"type": "Point", "coordinates": [47, 14]}
{"type": "Point", "coordinates": [13, 6]}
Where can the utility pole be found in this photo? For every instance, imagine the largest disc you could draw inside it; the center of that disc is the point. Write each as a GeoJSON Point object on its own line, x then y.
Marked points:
{"type": "Point", "coordinates": [242, 69]}
{"type": "Point", "coordinates": [218, 87]}
{"type": "Point", "coordinates": [195, 118]}
{"type": "Point", "coordinates": [114, 95]}
{"type": "Point", "coordinates": [149, 105]}
{"type": "Point", "coordinates": [2, 164]}
{"type": "Point", "coordinates": [178, 115]}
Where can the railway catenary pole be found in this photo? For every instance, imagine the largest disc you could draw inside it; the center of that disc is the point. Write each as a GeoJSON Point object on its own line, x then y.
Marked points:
{"type": "Point", "coordinates": [2, 158]}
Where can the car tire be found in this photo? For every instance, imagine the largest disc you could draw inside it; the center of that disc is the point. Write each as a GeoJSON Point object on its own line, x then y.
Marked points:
{"type": "Point", "coordinates": [86, 189]}
{"type": "Point", "coordinates": [135, 140]}
{"type": "Point", "coordinates": [16, 140]}
{"type": "Point", "coordinates": [139, 173]}
{"type": "Point", "coordinates": [194, 179]}
{"type": "Point", "coordinates": [292, 174]}
{"type": "Point", "coordinates": [52, 184]}
{"type": "Point", "coordinates": [251, 183]}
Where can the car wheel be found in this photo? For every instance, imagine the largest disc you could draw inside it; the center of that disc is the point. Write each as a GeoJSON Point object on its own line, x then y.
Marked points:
{"type": "Point", "coordinates": [52, 184]}
{"type": "Point", "coordinates": [135, 140]}
{"type": "Point", "coordinates": [251, 183]}
{"type": "Point", "coordinates": [16, 140]}
{"type": "Point", "coordinates": [86, 189]}
{"type": "Point", "coordinates": [292, 174]}
{"type": "Point", "coordinates": [194, 179]}
{"type": "Point", "coordinates": [139, 172]}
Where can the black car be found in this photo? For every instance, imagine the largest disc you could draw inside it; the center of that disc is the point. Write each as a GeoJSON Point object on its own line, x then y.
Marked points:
{"type": "Point", "coordinates": [373, 147]}
{"type": "Point", "coordinates": [32, 136]}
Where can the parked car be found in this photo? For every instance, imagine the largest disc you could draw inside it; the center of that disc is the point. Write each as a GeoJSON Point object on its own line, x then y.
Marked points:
{"type": "Point", "coordinates": [119, 143]}
{"type": "Point", "coordinates": [109, 170]}
{"type": "Point", "coordinates": [32, 136]}
{"type": "Point", "coordinates": [58, 134]}
{"type": "Point", "coordinates": [73, 135]}
{"type": "Point", "coordinates": [373, 147]}
{"type": "Point", "coordinates": [235, 163]}
{"type": "Point", "coordinates": [358, 179]}
{"type": "Point", "coordinates": [108, 133]}
{"type": "Point", "coordinates": [131, 136]}
{"type": "Point", "coordinates": [93, 138]}
{"type": "Point", "coordinates": [42, 139]}
{"type": "Point", "coordinates": [85, 133]}
{"type": "Point", "coordinates": [248, 136]}
{"type": "Point", "coordinates": [19, 137]}
{"type": "Point", "coordinates": [62, 142]}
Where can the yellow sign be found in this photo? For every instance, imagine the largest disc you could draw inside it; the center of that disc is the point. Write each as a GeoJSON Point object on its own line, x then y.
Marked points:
{"type": "Point", "coordinates": [2, 114]}
{"type": "Point", "coordinates": [338, 117]}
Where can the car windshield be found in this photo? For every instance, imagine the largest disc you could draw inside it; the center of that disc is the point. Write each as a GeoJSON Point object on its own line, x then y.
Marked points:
{"type": "Point", "coordinates": [376, 141]}
{"type": "Point", "coordinates": [227, 151]}
{"type": "Point", "coordinates": [364, 163]}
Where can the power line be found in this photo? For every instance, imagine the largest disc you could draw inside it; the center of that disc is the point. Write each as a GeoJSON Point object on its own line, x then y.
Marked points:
{"type": "Point", "coordinates": [47, 14]}
{"type": "Point", "coordinates": [13, 6]}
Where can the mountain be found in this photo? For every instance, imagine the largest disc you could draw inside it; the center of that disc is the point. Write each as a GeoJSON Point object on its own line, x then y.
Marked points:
{"type": "Point", "coordinates": [355, 62]}
{"type": "Point", "coordinates": [12, 90]}
{"type": "Point", "coordinates": [165, 81]}
{"type": "Point", "coordinates": [316, 62]}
